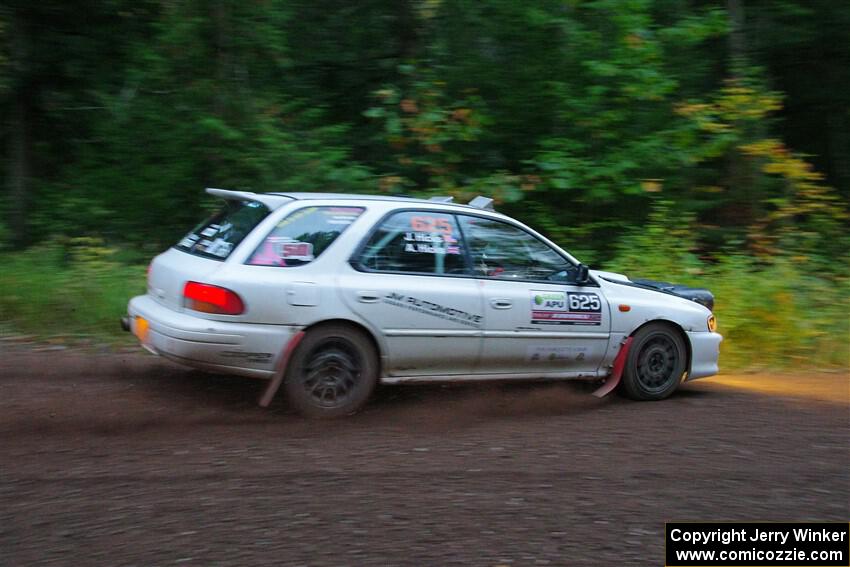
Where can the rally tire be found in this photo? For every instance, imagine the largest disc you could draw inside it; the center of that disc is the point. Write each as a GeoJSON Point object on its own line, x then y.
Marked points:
{"type": "Point", "coordinates": [656, 362]}
{"type": "Point", "coordinates": [332, 373]}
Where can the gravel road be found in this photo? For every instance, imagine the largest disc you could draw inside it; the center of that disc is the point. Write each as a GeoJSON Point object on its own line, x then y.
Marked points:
{"type": "Point", "coordinates": [125, 459]}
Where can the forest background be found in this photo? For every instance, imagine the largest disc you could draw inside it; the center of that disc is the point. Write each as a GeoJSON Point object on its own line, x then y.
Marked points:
{"type": "Point", "coordinates": [696, 141]}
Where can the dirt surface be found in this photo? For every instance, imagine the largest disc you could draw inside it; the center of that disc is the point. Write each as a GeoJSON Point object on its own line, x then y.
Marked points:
{"type": "Point", "coordinates": [130, 460]}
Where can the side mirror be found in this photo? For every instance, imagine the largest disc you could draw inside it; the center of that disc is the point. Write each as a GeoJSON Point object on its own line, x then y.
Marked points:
{"type": "Point", "coordinates": [582, 274]}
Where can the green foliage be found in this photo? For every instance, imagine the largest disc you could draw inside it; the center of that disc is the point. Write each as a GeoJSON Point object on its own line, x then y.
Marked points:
{"type": "Point", "coordinates": [779, 201]}
{"type": "Point", "coordinates": [429, 134]}
{"type": "Point", "coordinates": [204, 94]}
{"type": "Point", "coordinates": [777, 315]}
{"type": "Point", "coordinates": [772, 312]}
{"type": "Point", "coordinates": [661, 249]}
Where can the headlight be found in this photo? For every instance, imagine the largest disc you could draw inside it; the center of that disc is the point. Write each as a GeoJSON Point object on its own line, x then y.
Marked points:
{"type": "Point", "coordinates": [712, 323]}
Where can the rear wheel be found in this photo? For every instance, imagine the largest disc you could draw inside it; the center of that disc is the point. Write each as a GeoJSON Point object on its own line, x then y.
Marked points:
{"type": "Point", "coordinates": [656, 362]}
{"type": "Point", "coordinates": [332, 372]}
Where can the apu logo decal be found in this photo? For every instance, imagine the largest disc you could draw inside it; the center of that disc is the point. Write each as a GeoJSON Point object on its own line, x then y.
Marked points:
{"type": "Point", "coordinates": [565, 308]}
{"type": "Point", "coordinates": [549, 300]}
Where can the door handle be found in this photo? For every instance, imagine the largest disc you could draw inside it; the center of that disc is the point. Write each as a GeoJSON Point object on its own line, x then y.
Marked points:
{"type": "Point", "coordinates": [367, 296]}
{"type": "Point", "coordinates": [501, 303]}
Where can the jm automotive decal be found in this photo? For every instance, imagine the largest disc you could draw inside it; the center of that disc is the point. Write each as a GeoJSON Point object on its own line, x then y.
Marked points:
{"type": "Point", "coordinates": [565, 308]}
{"type": "Point", "coordinates": [434, 309]}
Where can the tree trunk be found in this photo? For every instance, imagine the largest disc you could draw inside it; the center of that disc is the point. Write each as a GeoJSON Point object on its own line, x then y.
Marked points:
{"type": "Point", "coordinates": [838, 149]}
{"type": "Point", "coordinates": [406, 30]}
{"type": "Point", "coordinates": [221, 19]}
{"type": "Point", "coordinates": [18, 171]}
{"type": "Point", "coordinates": [738, 173]}
{"type": "Point", "coordinates": [737, 40]}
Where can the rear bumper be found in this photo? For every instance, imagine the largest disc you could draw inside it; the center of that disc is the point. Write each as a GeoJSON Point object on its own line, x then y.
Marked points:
{"type": "Point", "coordinates": [245, 349]}
{"type": "Point", "coordinates": [705, 352]}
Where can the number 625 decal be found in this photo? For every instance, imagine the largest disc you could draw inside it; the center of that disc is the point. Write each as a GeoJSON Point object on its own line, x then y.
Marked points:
{"type": "Point", "coordinates": [584, 302]}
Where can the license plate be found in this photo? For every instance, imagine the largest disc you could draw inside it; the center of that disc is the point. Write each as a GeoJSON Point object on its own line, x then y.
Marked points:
{"type": "Point", "coordinates": [140, 329]}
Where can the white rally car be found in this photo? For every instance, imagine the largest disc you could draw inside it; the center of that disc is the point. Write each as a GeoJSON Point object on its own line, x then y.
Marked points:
{"type": "Point", "coordinates": [329, 294]}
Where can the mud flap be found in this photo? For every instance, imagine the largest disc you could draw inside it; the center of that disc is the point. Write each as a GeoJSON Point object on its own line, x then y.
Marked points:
{"type": "Point", "coordinates": [280, 371]}
{"type": "Point", "coordinates": [616, 371]}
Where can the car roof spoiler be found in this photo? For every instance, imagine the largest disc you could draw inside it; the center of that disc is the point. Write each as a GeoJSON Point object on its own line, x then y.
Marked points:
{"type": "Point", "coordinates": [481, 202]}
{"type": "Point", "coordinates": [271, 201]}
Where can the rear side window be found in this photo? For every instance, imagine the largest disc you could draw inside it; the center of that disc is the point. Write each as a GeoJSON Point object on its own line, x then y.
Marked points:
{"type": "Point", "coordinates": [419, 242]}
{"type": "Point", "coordinates": [302, 236]}
{"type": "Point", "coordinates": [217, 236]}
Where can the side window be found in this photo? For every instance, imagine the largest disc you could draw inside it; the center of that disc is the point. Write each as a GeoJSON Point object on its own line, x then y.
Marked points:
{"type": "Point", "coordinates": [420, 242]}
{"type": "Point", "coordinates": [502, 251]}
{"type": "Point", "coordinates": [300, 237]}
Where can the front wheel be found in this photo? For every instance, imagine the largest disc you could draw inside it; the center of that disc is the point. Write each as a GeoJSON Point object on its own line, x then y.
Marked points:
{"type": "Point", "coordinates": [332, 372]}
{"type": "Point", "coordinates": [656, 362]}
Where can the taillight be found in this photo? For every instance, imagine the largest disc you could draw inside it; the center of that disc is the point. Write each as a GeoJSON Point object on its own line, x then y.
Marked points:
{"type": "Point", "coordinates": [212, 299]}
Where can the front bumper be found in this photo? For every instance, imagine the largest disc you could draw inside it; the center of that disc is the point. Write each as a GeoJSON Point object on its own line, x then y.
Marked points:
{"type": "Point", "coordinates": [705, 352]}
{"type": "Point", "coordinates": [246, 349]}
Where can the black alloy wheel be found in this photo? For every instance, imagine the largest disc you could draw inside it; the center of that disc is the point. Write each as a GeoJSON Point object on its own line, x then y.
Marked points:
{"type": "Point", "coordinates": [656, 362]}
{"type": "Point", "coordinates": [332, 373]}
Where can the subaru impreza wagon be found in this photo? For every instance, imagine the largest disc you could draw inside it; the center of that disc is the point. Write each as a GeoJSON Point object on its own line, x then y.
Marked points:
{"type": "Point", "coordinates": [326, 295]}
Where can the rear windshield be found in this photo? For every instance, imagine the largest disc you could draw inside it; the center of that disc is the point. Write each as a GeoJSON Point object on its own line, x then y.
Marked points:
{"type": "Point", "coordinates": [217, 236]}
{"type": "Point", "coordinates": [299, 238]}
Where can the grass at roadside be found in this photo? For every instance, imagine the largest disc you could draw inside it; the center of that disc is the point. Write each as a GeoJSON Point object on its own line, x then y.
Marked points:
{"type": "Point", "coordinates": [73, 292]}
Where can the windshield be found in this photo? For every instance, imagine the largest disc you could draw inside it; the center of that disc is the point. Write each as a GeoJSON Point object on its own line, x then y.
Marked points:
{"type": "Point", "coordinates": [217, 236]}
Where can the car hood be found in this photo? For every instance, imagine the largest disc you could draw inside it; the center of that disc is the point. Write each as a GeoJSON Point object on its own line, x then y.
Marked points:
{"type": "Point", "coordinates": [609, 275]}
{"type": "Point", "coordinates": [698, 295]}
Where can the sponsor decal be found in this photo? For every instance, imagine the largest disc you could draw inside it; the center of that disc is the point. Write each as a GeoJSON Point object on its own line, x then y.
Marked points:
{"type": "Point", "coordinates": [341, 220]}
{"type": "Point", "coordinates": [430, 235]}
{"type": "Point", "coordinates": [342, 215]}
{"type": "Point", "coordinates": [189, 241]}
{"type": "Point", "coordinates": [434, 309]}
{"type": "Point", "coordinates": [554, 353]}
{"type": "Point", "coordinates": [295, 216]}
{"type": "Point", "coordinates": [430, 243]}
{"type": "Point", "coordinates": [289, 249]}
{"type": "Point", "coordinates": [247, 356]}
{"type": "Point", "coordinates": [420, 248]}
{"type": "Point", "coordinates": [297, 250]}
{"type": "Point", "coordinates": [220, 247]}
{"type": "Point", "coordinates": [439, 225]}
{"type": "Point", "coordinates": [565, 308]}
